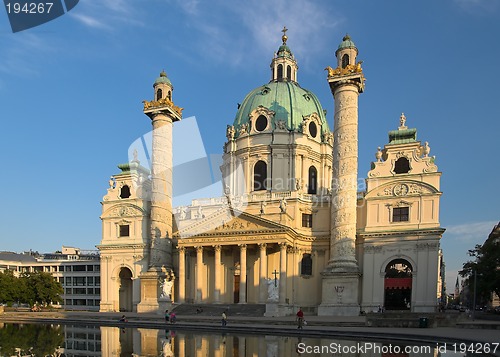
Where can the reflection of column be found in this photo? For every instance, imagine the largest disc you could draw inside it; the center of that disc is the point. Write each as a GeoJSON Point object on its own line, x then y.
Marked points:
{"type": "Point", "coordinates": [241, 346]}
{"type": "Point", "coordinates": [283, 247]}
{"type": "Point", "coordinates": [243, 273]}
{"type": "Point", "coordinates": [199, 273]}
{"type": "Point", "coordinates": [217, 279]}
{"type": "Point", "coordinates": [218, 346]}
{"type": "Point", "coordinates": [263, 274]}
{"type": "Point", "coordinates": [182, 274]}
{"type": "Point", "coordinates": [181, 350]}
{"type": "Point", "coordinates": [198, 346]}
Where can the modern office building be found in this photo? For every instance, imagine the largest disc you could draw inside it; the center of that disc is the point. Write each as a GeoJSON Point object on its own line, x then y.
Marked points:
{"type": "Point", "coordinates": [78, 271]}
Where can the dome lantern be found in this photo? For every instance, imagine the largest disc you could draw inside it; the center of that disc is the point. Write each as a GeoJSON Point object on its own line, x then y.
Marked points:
{"type": "Point", "coordinates": [283, 66]}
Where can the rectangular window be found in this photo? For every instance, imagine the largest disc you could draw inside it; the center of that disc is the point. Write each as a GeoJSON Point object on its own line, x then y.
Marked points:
{"type": "Point", "coordinates": [79, 268]}
{"type": "Point", "coordinates": [97, 281]}
{"type": "Point", "coordinates": [79, 291]}
{"type": "Point", "coordinates": [124, 230]}
{"type": "Point", "coordinates": [307, 220]}
{"type": "Point", "coordinates": [90, 268]}
{"type": "Point", "coordinates": [306, 265]}
{"type": "Point", "coordinates": [78, 281]}
{"type": "Point", "coordinates": [400, 214]}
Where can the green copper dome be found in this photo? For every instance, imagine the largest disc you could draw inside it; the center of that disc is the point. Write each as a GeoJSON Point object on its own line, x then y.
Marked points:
{"type": "Point", "coordinates": [287, 99]}
{"type": "Point", "coordinates": [163, 79]}
{"type": "Point", "coordinates": [347, 43]}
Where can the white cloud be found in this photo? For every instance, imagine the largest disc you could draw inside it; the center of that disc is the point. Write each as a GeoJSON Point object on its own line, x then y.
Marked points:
{"type": "Point", "coordinates": [19, 50]}
{"type": "Point", "coordinates": [257, 27]}
{"type": "Point", "coordinates": [89, 21]}
{"type": "Point", "coordinates": [471, 232]}
{"type": "Point", "coordinates": [307, 21]}
{"type": "Point", "coordinates": [481, 5]}
{"type": "Point", "coordinates": [107, 14]}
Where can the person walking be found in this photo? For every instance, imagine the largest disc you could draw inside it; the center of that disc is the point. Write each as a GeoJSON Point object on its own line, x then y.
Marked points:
{"type": "Point", "coordinates": [300, 318]}
{"type": "Point", "coordinates": [224, 318]}
{"type": "Point", "coordinates": [167, 316]}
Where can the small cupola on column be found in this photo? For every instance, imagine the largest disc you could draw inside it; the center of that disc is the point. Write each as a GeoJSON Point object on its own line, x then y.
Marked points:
{"type": "Point", "coordinates": [283, 66]}
{"type": "Point", "coordinates": [346, 52]}
{"type": "Point", "coordinates": [163, 87]}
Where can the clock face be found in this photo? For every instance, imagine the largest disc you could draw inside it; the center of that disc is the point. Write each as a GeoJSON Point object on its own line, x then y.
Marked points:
{"type": "Point", "coordinates": [400, 190]}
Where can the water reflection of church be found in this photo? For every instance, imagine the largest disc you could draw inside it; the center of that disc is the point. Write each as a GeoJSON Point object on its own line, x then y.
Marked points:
{"type": "Point", "coordinates": [291, 210]}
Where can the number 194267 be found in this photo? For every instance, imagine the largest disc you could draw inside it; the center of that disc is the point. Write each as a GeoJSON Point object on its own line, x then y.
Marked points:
{"type": "Point", "coordinates": [29, 8]}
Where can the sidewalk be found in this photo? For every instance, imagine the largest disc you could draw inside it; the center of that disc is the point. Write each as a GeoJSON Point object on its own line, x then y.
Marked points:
{"type": "Point", "coordinates": [317, 326]}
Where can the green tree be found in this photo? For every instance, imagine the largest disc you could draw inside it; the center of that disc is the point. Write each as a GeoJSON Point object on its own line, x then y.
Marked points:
{"type": "Point", "coordinates": [40, 287]}
{"type": "Point", "coordinates": [485, 265]}
{"type": "Point", "coordinates": [8, 287]}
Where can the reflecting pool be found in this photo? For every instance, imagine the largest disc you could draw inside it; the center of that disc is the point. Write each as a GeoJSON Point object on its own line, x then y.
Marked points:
{"type": "Point", "coordinates": [82, 340]}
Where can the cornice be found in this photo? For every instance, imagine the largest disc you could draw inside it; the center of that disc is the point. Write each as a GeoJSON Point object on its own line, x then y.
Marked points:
{"type": "Point", "coordinates": [413, 232]}
{"type": "Point", "coordinates": [102, 247]}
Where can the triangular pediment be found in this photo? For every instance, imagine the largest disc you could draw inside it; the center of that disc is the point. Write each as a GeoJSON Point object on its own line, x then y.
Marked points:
{"type": "Point", "coordinates": [230, 221]}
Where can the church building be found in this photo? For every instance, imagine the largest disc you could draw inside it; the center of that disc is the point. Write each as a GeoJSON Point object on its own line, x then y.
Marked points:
{"type": "Point", "coordinates": [291, 229]}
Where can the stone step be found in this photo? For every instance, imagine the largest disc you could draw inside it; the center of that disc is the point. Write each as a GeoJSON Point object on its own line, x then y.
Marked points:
{"type": "Point", "coordinates": [217, 309]}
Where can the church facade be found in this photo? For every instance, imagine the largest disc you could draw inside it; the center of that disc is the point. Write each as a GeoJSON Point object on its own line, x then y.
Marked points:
{"type": "Point", "coordinates": [291, 229]}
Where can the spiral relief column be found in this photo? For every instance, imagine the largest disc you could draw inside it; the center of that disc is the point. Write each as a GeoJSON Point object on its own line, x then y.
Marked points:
{"type": "Point", "coordinates": [163, 113]}
{"type": "Point", "coordinates": [340, 286]}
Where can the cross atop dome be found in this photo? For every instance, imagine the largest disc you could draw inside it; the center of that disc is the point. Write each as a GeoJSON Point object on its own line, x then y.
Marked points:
{"type": "Point", "coordinates": [284, 37]}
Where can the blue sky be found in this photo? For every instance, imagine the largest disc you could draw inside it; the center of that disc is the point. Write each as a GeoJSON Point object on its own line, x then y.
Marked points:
{"type": "Point", "coordinates": [71, 92]}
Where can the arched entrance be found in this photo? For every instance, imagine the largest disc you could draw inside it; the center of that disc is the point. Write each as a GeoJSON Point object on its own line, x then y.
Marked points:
{"type": "Point", "coordinates": [397, 285]}
{"type": "Point", "coordinates": [125, 289]}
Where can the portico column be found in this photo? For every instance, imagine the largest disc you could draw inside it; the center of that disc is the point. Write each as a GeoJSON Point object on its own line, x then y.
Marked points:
{"type": "Point", "coordinates": [263, 274]}
{"type": "Point", "coordinates": [243, 273]}
{"type": "Point", "coordinates": [182, 274]}
{"type": "Point", "coordinates": [282, 287]}
{"type": "Point", "coordinates": [217, 277]}
{"type": "Point", "coordinates": [199, 273]}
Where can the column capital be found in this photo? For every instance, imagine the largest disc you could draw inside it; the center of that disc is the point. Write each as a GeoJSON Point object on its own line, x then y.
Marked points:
{"type": "Point", "coordinates": [283, 245]}
{"type": "Point", "coordinates": [242, 246]}
{"type": "Point", "coordinates": [217, 247]}
{"type": "Point", "coordinates": [262, 246]}
{"type": "Point", "coordinates": [181, 249]}
{"type": "Point", "coordinates": [199, 248]}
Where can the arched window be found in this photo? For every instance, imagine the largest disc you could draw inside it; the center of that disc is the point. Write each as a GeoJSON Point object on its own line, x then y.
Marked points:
{"type": "Point", "coordinates": [169, 95]}
{"type": "Point", "coordinates": [125, 192]}
{"type": "Point", "coordinates": [306, 265]}
{"type": "Point", "coordinates": [289, 73]}
{"type": "Point", "coordinates": [260, 176]}
{"type": "Point", "coordinates": [345, 60]}
{"type": "Point", "coordinates": [402, 166]}
{"type": "Point", "coordinates": [159, 93]}
{"type": "Point", "coordinates": [313, 181]}
{"type": "Point", "coordinates": [280, 72]}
